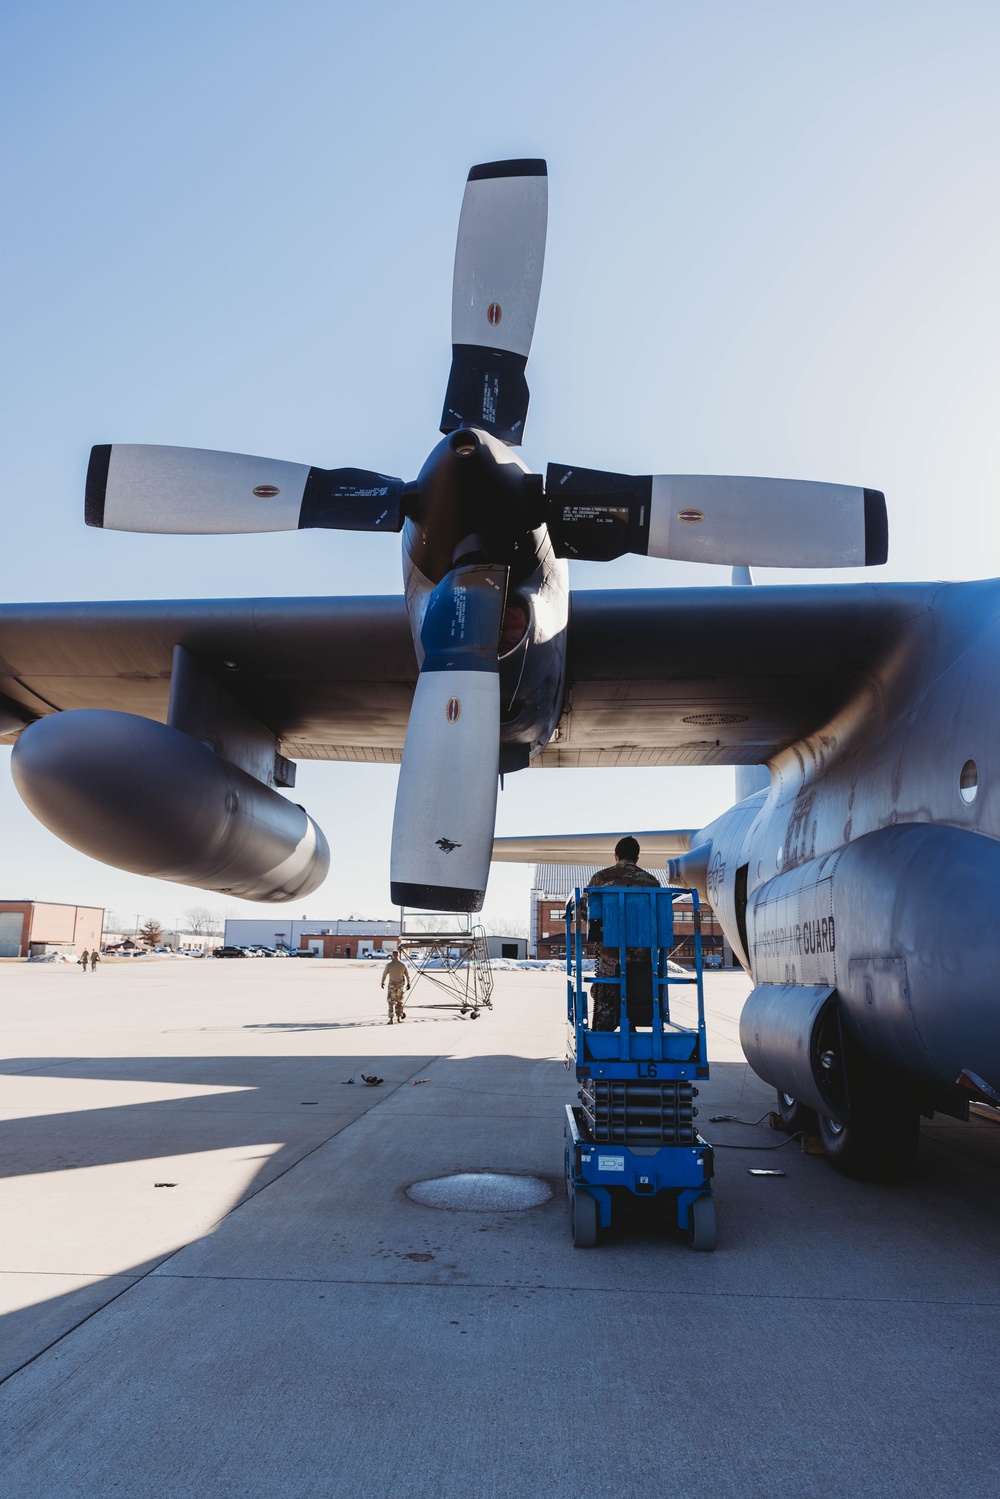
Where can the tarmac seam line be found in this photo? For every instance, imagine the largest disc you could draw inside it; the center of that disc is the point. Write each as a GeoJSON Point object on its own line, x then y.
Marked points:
{"type": "Point", "coordinates": [493, 1285]}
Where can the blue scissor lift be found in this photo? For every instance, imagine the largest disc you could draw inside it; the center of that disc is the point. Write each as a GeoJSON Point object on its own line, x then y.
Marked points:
{"type": "Point", "coordinates": [633, 1132]}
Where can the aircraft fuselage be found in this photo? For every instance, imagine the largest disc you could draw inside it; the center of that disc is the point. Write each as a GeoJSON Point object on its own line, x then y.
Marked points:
{"type": "Point", "coordinates": [872, 862]}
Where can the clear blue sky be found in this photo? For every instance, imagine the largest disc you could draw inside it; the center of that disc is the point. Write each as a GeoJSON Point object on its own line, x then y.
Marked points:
{"type": "Point", "coordinates": [774, 240]}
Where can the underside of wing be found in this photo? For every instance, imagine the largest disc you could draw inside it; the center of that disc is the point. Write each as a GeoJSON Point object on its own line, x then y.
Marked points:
{"type": "Point", "coordinates": [589, 848]}
{"type": "Point", "coordinates": [686, 676]}
{"type": "Point", "coordinates": [333, 679]}
{"type": "Point", "coordinates": [717, 676]}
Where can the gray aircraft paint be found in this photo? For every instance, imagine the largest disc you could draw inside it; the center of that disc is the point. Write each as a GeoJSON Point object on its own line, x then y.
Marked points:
{"type": "Point", "coordinates": [869, 871]}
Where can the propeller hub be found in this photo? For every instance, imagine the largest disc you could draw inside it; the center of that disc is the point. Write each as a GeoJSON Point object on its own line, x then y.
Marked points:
{"type": "Point", "coordinates": [473, 502]}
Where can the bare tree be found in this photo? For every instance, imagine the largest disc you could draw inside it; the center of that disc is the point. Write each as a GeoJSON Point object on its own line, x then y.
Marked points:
{"type": "Point", "coordinates": [151, 933]}
{"type": "Point", "coordinates": [506, 927]}
{"type": "Point", "coordinates": [202, 920]}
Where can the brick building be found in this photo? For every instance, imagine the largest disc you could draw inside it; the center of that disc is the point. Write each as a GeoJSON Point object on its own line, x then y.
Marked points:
{"type": "Point", "coordinates": [553, 885]}
{"type": "Point", "coordinates": [31, 928]}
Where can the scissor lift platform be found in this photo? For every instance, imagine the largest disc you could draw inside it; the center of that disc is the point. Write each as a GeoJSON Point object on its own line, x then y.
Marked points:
{"type": "Point", "coordinates": [633, 1134]}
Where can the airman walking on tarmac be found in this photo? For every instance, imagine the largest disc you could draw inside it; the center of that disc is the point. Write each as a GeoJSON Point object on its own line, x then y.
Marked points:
{"type": "Point", "coordinates": [399, 982]}
{"type": "Point", "coordinates": [84, 959]}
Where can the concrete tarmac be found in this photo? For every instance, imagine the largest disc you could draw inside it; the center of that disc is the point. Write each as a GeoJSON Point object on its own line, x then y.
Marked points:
{"type": "Point", "coordinates": [213, 1283]}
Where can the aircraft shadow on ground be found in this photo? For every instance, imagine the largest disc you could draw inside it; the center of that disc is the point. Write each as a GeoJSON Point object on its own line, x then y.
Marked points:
{"type": "Point", "coordinates": [307, 1086]}
{"type": "Point", "coordinates": [282, 1085]}
{"type": "Point", "coordinates": [954, 1189]}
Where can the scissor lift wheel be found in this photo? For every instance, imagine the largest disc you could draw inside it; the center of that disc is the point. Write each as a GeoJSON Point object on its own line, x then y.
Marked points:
{"type": "Point", "coordinates": [703, 1223]}
{"type": "Point", "coordinates": [583, 1211]}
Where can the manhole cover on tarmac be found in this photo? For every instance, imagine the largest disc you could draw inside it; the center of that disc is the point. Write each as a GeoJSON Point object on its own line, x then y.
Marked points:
{"type": "Point", "coordinates": [481, 1192]}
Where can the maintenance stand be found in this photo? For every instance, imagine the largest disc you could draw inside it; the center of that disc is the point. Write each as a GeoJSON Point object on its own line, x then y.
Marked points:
{"type": "Point", "coordinates": [456, 963]}
{"type": "Point", "coordinates": [633, 1132]}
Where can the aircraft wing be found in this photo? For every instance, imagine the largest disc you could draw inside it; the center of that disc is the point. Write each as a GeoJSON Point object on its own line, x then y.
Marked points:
{"type": "Point", "coordinates": [723, 676]}
{"type": "Point", "coordinates": [681, 676]}
{"type": "Point", "coordinates": [589, 848]}
{"type": "Point", "coordinates": [333, 678]}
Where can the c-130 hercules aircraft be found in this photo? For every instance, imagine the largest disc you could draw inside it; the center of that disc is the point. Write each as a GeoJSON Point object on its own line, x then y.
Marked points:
{"type": "Point", "coordinates": [857, 879]}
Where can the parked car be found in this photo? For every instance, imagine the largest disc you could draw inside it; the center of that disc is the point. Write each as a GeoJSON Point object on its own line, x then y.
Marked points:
{"type": "Point", "coordinates": [230, 952]}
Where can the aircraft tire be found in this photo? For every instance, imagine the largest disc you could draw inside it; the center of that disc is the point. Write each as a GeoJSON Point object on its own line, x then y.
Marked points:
{"type": "Point", "coordinates": [795, 1117]}
{"type": "Point", "coordinates": [584, 1218]}
{"type": "Point", "coordinates": [880, 1142]}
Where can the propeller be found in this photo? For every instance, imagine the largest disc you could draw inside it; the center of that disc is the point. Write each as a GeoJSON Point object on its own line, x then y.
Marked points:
{"type": "Point", "coordinates": [446, 797]}
{"type": "Point", "coordinates": [194, 491]}
{"type": "Point", "coordinates": [476, 524]}
{"type": "Point", "coordinates": [596, 516]}
{"type": "Point", "coordinates": [498, 278]}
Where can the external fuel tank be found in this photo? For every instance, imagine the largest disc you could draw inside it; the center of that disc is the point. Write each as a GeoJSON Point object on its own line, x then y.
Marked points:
{"type": "Point", "coordinates": [150, 799]}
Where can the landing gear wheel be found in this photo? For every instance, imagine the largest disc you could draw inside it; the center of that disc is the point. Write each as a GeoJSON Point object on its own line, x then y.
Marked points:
{"type": "Point", "coordinates": [584, 1219]}
{"type": "Point", "coordinates": [703, 1223]}
{"type": "Point", "coordinates": [879, 1143]}
{"type": "Point", "coordinates": [795, 1117]}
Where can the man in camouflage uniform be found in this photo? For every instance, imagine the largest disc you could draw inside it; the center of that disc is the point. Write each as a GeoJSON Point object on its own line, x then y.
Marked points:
{"type": "Point", "coordinates": [399, 982]}
{"type": "Point", "coordinates": [607, 997]}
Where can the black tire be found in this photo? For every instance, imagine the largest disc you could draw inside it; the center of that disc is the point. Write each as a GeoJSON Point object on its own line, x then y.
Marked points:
{"type": "Point", "coordinates": [703, 1223]}
{"type": "Point", "coordinates": [880, 1142]}
{"type": "Point", "coordinates": [795, 1117]}
{"type": "Point", "coordinates": [583, 1219]}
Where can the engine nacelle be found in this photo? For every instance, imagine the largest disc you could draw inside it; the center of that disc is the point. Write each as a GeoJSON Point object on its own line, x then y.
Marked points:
{"type": "Point", "coordinates": [790, 1034]}
{"type": "Point", "coordinates": [148, 798]}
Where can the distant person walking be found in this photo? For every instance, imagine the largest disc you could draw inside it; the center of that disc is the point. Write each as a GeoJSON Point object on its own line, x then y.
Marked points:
{"type": "Point", "coordinates": [399, 981]}
{"type": "Point", "coordinates": [95, 958]}
{"type": "Point", "coordinates": [84, 960]}
{"type": "Point", "coordinates": [606, 997]}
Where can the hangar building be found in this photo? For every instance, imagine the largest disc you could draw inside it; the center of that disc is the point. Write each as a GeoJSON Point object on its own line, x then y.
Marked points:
{"type": "Point", "coordinates": [31, 928]}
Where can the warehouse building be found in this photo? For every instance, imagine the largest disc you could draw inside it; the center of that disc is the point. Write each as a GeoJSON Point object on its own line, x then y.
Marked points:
{"type": "Point", "coordinates": [342, 939]}
{"type": "Point", "coordinates": [34, 928]}
{"type": "Point", "coordinates": [328, 939]}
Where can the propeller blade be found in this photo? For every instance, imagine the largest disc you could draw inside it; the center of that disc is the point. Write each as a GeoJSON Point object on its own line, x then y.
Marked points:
{"type": "Point", "coordinates": [703, 518]}
{"type": "Point", "coordinates": [498, 277]}
{"type": "Point", "coordinates": [197, 492]}
{"type": "Point", "coordinates": [442, 831]}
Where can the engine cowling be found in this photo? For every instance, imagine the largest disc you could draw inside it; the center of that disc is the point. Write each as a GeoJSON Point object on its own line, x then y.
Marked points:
{"type": "Point", "coordinates": [790, 1034]}
{"type": "Point", "coordinates": [148, 798]}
